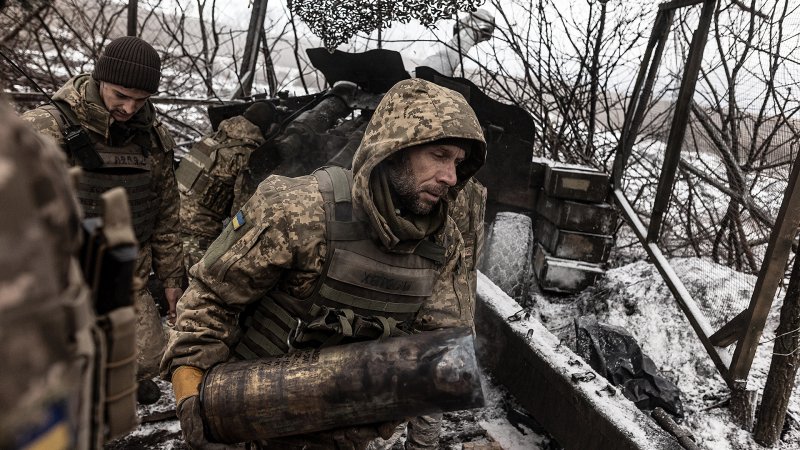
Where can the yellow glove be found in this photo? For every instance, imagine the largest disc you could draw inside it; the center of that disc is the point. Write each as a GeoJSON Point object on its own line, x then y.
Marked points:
{"type": "Point", "coordinates": [186, 382]}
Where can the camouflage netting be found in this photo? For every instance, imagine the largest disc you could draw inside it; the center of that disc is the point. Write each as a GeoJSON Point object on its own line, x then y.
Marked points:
{"type": "Point", "coordinates": [336, 21]}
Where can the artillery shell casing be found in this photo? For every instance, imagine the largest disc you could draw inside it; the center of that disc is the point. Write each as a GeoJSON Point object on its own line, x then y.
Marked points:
{"type": "Point", "coordinates": [353, 384]}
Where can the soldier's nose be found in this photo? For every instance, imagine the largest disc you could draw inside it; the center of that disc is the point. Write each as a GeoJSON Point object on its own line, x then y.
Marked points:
{"type": "Point", "coordinates": [448, 175]}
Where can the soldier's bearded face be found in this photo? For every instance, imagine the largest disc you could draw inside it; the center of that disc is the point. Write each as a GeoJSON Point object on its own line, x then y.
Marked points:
{"type": "Point", "coordinates": [424, 174]}
{"type": "Point", "coordinates": [122, 102]}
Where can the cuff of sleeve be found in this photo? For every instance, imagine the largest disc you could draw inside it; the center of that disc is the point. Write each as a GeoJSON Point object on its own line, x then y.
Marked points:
{"type": "Point", "coordinates": [172, 282]}
{"type": "Point", "coordinates": [186, 382]}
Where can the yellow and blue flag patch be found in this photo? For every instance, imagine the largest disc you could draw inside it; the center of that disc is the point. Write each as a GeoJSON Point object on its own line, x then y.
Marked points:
{"type": "Point", "coordinates": [238, 220]}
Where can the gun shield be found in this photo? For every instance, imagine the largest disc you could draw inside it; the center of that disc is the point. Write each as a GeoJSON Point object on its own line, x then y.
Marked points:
{"type": "Point", "coordinates": [353, 384]}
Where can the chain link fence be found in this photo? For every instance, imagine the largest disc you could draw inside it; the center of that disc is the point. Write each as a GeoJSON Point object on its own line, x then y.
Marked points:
{"type": "Point", "coordinates": [737, 154]}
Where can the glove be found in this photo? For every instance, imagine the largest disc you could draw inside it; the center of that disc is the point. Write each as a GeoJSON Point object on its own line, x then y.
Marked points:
{"type": "Point", "coordinates": [185, 382]}
{"type": "Point", "coordinates": [192, 425]}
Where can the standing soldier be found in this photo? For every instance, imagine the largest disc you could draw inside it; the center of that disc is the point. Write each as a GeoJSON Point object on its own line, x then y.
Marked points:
{"type": "Point", "coordinates": [39, 236]}
{"type": "Point", "coordinates": [210, 177]}
{"type": "Point", "coordinates": [68, 376]}
{"type": "Point", "coordinates": [326, 259]}
{"type": "Point", "coordinates": [107, 125]}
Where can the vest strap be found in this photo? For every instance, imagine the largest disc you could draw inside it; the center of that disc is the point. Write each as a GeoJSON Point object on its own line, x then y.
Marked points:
{"type": "Point", "coordinates": [365, 303]}
{"type": "Point", "coordinates": [346, 231]}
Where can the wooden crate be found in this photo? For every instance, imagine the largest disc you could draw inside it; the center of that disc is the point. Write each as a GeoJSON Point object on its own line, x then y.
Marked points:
{"type": "Point", "coordinates": [573, 182]}
{"type": "Point", "coordinates": [539, 167]}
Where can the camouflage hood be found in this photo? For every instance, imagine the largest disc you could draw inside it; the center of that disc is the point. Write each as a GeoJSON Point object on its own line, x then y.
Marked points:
{"type": "Point", "coordinates": [82, 94]}
{"type": "Point", "coordinates": [414, 112]}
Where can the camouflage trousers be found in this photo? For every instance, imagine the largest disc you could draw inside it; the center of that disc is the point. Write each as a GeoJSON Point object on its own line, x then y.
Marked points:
{"type": "Point", "coordinates": [151, 340]}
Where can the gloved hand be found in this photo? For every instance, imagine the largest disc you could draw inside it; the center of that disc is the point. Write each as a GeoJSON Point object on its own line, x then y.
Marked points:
{"type": "Point", "coordinates": [185, 382]}
{"type": "Point", "coordinates": [192, 425]}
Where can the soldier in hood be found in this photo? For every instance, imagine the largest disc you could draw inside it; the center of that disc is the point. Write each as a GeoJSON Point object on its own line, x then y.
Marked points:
{"type": "Point", "coordinates": [337, 257]}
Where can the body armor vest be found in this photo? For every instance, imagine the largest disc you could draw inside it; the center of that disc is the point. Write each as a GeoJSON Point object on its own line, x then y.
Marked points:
{"type": "Point", "coordinates": [128, 166]}
{"type": "Point", "coordinates": [363, 292]}
{"type": "Point", "coordinates": [193, 173]}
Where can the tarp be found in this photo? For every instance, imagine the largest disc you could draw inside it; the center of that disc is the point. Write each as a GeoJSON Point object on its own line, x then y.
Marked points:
{"type": "Point", "coordinates": [614, 353]}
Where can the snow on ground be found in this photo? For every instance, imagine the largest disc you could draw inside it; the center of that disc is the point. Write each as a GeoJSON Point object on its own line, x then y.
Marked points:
{"type": "Point", "coordinates": [635, 297]}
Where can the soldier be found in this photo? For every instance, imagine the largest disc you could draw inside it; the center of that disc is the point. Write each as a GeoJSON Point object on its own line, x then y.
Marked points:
{"type": "Point", "coordinates": [63, 384]}
{"type": "Point", "coordinates": [283, 266]}
{"type": "Point", "coordinates": [210, 177]}
{"type": "Point", "coordinates": [39, 235]}
{"type": "Point", "coordinates": [107, 125]}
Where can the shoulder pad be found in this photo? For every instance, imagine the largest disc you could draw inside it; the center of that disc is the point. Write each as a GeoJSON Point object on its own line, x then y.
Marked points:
{"type": "Point", "coordinates": [206, 145]}
{"type": "Point", "coordinates": [164, 138]}
{"type": "Point", "coordinates": [45, 121]}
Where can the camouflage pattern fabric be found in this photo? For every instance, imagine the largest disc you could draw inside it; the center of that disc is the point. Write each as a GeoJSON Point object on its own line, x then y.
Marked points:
{"type": "Point", "coordinates": [39, 232]}
{"type": "Point", "coordinates": [469, 211]}
{"type": "Point", "coordinates": [202, 213]}
{"type": "Point", "coordinates": [79, 96]}
{"type": "Point", "coordinates": [162, 253]}
{"type": "Point", "coordinates": [279, 243]}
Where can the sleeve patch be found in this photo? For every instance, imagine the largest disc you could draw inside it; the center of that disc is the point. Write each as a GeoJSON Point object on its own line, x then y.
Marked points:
{"type": "Point", "coordinates": [238, 220]}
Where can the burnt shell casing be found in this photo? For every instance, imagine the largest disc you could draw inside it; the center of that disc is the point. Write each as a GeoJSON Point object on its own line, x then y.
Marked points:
{"type": "Point", "coordinates": [353, 384]}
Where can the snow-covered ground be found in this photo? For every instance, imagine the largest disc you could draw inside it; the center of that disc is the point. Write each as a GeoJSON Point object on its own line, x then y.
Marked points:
{"type": "Point", "coordinates": [634, 296]}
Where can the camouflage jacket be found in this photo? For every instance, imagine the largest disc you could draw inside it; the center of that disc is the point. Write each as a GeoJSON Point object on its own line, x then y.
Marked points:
{"type": "Point", "coordinates": [207, 198]}
{"type": "Point", "coordinates": [39, 234]}
{"type": "Point", "coordinates": [80, 95]}
{"type": "Point", "coordinates": [283, 246]}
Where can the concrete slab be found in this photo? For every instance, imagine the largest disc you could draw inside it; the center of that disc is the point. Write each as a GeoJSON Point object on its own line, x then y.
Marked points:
{"type": "Point", "coordinates": [577, 406]}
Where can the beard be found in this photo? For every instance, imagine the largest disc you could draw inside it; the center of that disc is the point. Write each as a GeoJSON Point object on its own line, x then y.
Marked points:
{"type": "Point", "coordinates": [404, 184]}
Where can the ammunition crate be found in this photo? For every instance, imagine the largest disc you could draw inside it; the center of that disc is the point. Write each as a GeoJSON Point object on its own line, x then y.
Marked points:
{"type": "Point", "coordinates": [599, 218]}
{"type": "Point", "coordinates": [593, 248]}
{"type": "Point", "coordinates": [563, 275]}
{"type": "Point", "coordinates": [538, 169]}
{"type": "Point", "coordinates": [572, 182]}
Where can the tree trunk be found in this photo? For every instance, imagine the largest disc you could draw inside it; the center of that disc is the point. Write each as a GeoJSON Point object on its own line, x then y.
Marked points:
{"type": "Point", "coordinates": [783, 368]}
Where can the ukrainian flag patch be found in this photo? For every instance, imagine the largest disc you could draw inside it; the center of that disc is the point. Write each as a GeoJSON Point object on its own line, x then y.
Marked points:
{"type": "Point", "coordinates": [238, 220]}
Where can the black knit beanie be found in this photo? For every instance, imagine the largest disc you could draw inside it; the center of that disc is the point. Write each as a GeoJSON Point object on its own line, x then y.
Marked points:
{"type": "Point", "coordinates": [129, 62]}
{"type": "Point", "coordinates": [261, 114]}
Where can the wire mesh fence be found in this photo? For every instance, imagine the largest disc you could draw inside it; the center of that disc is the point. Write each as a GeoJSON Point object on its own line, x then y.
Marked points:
{"type": "Point", "coordinates": [736, 156]}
